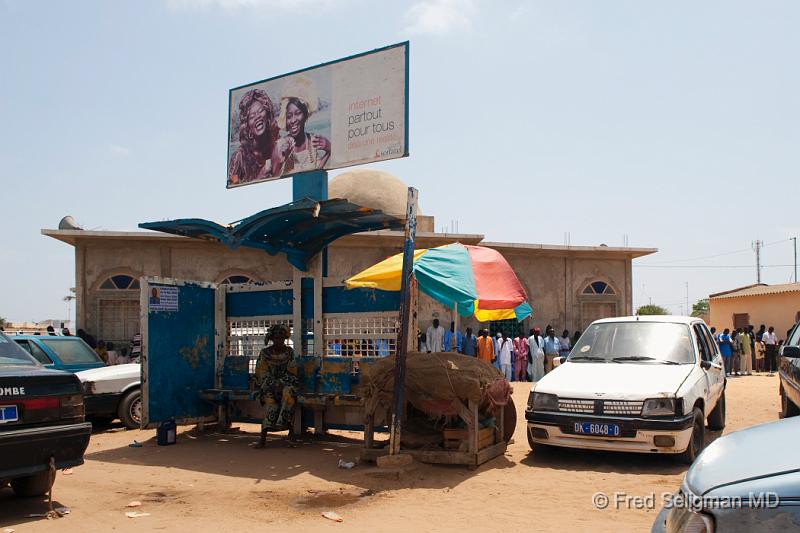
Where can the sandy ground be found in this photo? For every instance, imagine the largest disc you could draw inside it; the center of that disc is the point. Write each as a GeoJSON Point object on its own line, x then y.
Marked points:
{"type": "Point", "coordinates": [216, 482]}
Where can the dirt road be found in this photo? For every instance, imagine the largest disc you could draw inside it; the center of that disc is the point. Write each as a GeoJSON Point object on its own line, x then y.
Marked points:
{"type": "Point", "coordinates": [217, 482]}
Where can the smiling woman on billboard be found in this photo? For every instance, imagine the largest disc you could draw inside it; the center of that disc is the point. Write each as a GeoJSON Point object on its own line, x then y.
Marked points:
{"type": "Point", "coordinates": [258, 132]}
{"type": "Point", "coordinates": [299, 151]}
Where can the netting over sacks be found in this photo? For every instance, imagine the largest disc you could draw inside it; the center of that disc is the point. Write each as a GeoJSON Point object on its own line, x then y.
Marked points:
{"type": "Point", "coordinates": [435, 380]}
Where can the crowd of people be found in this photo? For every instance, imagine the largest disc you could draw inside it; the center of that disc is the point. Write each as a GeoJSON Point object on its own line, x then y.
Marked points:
{"type": "Point", "coordinates": [521, 358]}
{"type": "Point", "coordinates": [745, 351]}
{"type": "Point", "coordinates": [109, 352]}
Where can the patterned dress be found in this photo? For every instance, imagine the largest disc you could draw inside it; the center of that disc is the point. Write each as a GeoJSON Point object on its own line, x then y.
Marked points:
{"type": "Point", "coordinates": [276, 379]}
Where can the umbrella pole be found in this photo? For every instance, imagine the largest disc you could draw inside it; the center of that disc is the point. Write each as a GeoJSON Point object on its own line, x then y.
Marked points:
{"type": "Point", "coordinates": [456, 325]}
{"type": "Point", "coordinates": [405, 319]}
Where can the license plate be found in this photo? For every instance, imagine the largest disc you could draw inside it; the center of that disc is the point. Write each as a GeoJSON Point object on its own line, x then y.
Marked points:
{"type": "Point", "coordinates": [591, 428]}
{"type": "Point", "coordinates": [8, 413]}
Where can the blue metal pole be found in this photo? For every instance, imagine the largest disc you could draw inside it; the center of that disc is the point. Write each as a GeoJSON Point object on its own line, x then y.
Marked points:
{"type": "Point", "coordinates": [405, 320]}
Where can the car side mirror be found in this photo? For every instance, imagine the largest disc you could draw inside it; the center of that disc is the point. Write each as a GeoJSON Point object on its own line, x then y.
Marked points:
{"type": "Point", "coordinates": [705, 365]}
{"type": "Point", "coordinates": [793, 352]}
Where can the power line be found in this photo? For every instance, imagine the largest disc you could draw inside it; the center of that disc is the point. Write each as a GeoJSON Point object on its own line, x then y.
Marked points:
{"type": "Point", "coordinates": [710, 266]}
{"type": "Point", "coordinates": [723, 254]}
{"type": "Point", "coordinates": [703, 257]}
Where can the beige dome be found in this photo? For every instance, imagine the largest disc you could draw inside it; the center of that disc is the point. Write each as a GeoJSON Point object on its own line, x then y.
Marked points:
{"type": "Point", "coordinates": [371, 188]}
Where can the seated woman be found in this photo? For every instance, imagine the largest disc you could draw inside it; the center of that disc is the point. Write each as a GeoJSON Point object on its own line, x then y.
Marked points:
{"type": "Point", "coordinates": [298, 151]}
{"type": "Point", "coordinates": [276, 380]}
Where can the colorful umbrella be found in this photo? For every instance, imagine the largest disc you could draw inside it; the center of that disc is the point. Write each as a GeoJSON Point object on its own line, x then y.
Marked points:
{"type": "Point", "coordinates": [475, 279]}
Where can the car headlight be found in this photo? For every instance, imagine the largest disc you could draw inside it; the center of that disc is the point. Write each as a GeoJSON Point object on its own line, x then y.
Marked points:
{"type": "Point", "coordinates": [659, 407]}
{"type": "Point", "coordinates": [696, 523]}
{"type": "Point", "coordinates": [544, 402]}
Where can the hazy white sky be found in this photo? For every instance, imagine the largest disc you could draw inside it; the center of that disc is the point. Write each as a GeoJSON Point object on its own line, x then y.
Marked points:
{"type": "Point", "coordinates": [675, 124]}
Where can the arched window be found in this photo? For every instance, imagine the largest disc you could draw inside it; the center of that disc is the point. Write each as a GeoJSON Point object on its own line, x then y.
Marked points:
{"type": "Point", "coordinates": [598, 287]}
{"type": "Point", "coordinates": [238, 279]}
{"type": "Point", "coordinates": [120, 282]}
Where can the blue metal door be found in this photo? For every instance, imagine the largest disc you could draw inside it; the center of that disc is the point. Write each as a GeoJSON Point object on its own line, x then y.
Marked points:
{"type": "Point", "coordinates": [179, 345]}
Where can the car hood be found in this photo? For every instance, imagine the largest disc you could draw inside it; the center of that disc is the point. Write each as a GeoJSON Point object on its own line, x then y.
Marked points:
{"type": "Point", "coordinates": [761, 457]}
{"type": "Point", "coordinates": [129, 371]}
{"type": "Point", "coordinates": [619, 381]}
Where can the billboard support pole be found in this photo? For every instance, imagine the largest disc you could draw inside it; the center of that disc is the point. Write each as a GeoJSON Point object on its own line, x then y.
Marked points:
{"type": "Point", "coordinates": [313, 185]}
{"type": "Point", "coordinates": [405, 320]}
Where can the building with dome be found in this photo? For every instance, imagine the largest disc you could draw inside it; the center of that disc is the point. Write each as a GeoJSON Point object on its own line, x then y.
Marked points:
{"type": "Point", "coordinates": [567, 286]}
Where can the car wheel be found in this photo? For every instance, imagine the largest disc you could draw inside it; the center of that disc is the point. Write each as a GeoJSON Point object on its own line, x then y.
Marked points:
{"type": "Point", "coordinates": [697, 441]}
{"type": "Point", "coordinates": [35, 485]}
{"type": "Point", "coordinates": [130, 409]}
{"type": "Point", "coordinates": [788, 408]}
{"type": "Point", "coordinates": [716, 420]}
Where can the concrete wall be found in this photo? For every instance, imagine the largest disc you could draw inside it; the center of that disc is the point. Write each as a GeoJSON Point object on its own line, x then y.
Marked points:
{"type": "Point", "coordinates": [554, 280]}
{"type": "Point", "coordinates": [778, 310]}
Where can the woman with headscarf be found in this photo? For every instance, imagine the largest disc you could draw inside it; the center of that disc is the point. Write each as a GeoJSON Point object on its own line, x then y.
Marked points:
{"type": "Point", "coordinates": [258, 132]}
{"type": "Point", "coordinates": [276, 380]}
{"type": "Point", "coordinates": [298, 151]}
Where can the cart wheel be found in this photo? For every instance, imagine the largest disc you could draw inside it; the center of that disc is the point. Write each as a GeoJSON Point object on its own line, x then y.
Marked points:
{"type": "Point", "coordinates": [509, 419]}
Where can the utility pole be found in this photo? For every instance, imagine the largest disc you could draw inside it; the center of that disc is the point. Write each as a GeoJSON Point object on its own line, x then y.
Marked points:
{"type": "Point", "coordinates": [687, 299]}
{"type": "Point", "coordinates": [395, 428]}
{"type": "Point", "coordinates": [757, 247]}
{"type": "Point", "coordinates": [794, 241]}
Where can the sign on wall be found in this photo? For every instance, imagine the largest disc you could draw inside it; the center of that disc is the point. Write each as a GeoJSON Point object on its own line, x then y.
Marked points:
{"type": "Point", "coordinates": [338, 114]}
{"type": "Point", "coordinates": [163, 298]}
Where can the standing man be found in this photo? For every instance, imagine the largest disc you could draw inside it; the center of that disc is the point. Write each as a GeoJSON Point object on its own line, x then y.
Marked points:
{"type": "Point", "coordinates": [752, 335]}
{"type": "Point", "coordinates": [552, 347]}
{"type": "Point", "coordinates": [536, 354]}
{"type": "Point", "coordinates": [504, 356]}
{"type": "Point", "coordinates": [771, 344]}
{"type": "Point", "coordinates": [726, 349]}
{"type": "Point", "coordinates": [521, 357]}
{"type": "Point", "coordinates": [453, 339]}
{"type": "Point", "coordinates": [485, 347]}
{"type": "Point", "coordinates": [760, 333]}
{"type": "Point", "coordinates": [469, 345]}
{"type": "Point", "coordinates": [435, 337]}
{"type": "Point", "coordinates": [745, 347]}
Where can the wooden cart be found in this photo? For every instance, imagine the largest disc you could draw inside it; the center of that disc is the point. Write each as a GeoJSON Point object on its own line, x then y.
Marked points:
{"type": "Point", "coordinates": [476, 454]}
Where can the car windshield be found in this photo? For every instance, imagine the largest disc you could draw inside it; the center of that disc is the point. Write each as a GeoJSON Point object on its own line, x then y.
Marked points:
{"type": "Point", "coordinates": [645, 342]}
{"type": "Point", "coordinates": [11, 354]}
{"type": "Point", "coordinates": [72, 351]}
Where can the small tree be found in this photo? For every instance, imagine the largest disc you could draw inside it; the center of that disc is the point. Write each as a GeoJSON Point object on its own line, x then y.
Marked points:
{"type": "Point", "coordinates": [3, 322]}
{"type": "Point", "coordinates": [651, 310]}
{"type": "Point", "coordinates": [700, 308]}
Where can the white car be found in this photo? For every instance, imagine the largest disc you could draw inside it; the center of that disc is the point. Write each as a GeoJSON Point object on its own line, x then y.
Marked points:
{"type": "Point", "coordinates": [112, 392]}
{"type": "Point", "coordinates": [637, 384]}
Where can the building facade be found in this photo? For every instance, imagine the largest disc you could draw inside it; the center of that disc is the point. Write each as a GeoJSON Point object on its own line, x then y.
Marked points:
{"type": "Point", "coordinates": [567, 286]}
{"type": "Point", "coordinates": [771, 305]}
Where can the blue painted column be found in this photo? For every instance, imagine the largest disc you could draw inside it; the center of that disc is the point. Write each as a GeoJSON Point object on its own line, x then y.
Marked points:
{"type": "Point", "coordinates": [313, 185]}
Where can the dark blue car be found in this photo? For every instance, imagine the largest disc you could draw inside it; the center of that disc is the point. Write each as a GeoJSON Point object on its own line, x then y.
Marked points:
{"type": "Point", "coordinates": [60, 353]}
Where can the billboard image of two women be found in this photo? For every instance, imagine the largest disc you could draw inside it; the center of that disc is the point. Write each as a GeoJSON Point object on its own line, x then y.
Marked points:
{"type": "Point", "coordinates": [335, 115]}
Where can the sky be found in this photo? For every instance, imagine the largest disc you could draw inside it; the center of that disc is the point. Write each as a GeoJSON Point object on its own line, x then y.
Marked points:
{"type": "Point", "coordinates": [673, 125]}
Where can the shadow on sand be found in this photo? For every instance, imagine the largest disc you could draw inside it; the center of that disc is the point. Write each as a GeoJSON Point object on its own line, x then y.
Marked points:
{"type": "Point", "coordinates": [232, 454]}
{"type": "Point", "coordinates": [576, 460]}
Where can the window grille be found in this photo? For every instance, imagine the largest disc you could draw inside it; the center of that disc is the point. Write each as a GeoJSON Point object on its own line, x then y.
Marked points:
{"type": "Point", "coordinates": [246, 336]}
{"type": "Point", "coordinates": [364, 334]}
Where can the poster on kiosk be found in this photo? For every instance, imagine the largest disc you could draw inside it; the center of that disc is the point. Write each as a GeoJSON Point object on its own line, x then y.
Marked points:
{"type": "Point", "coordinates": [347, 112]}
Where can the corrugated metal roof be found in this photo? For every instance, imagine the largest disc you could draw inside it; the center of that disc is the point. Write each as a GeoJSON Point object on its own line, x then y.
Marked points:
{"type": "Point", "coordinates": [299, 229]}
{"type": "Point", "coordinates": [757, 290]}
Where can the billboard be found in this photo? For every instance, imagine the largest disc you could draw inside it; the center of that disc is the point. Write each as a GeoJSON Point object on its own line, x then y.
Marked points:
{"type": "Point", "coordinates": [338, 114]}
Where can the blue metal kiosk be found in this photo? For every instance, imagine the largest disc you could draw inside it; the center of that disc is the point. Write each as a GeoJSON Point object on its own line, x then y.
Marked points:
{"type": "Point", "coordinates": [200, 340]}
